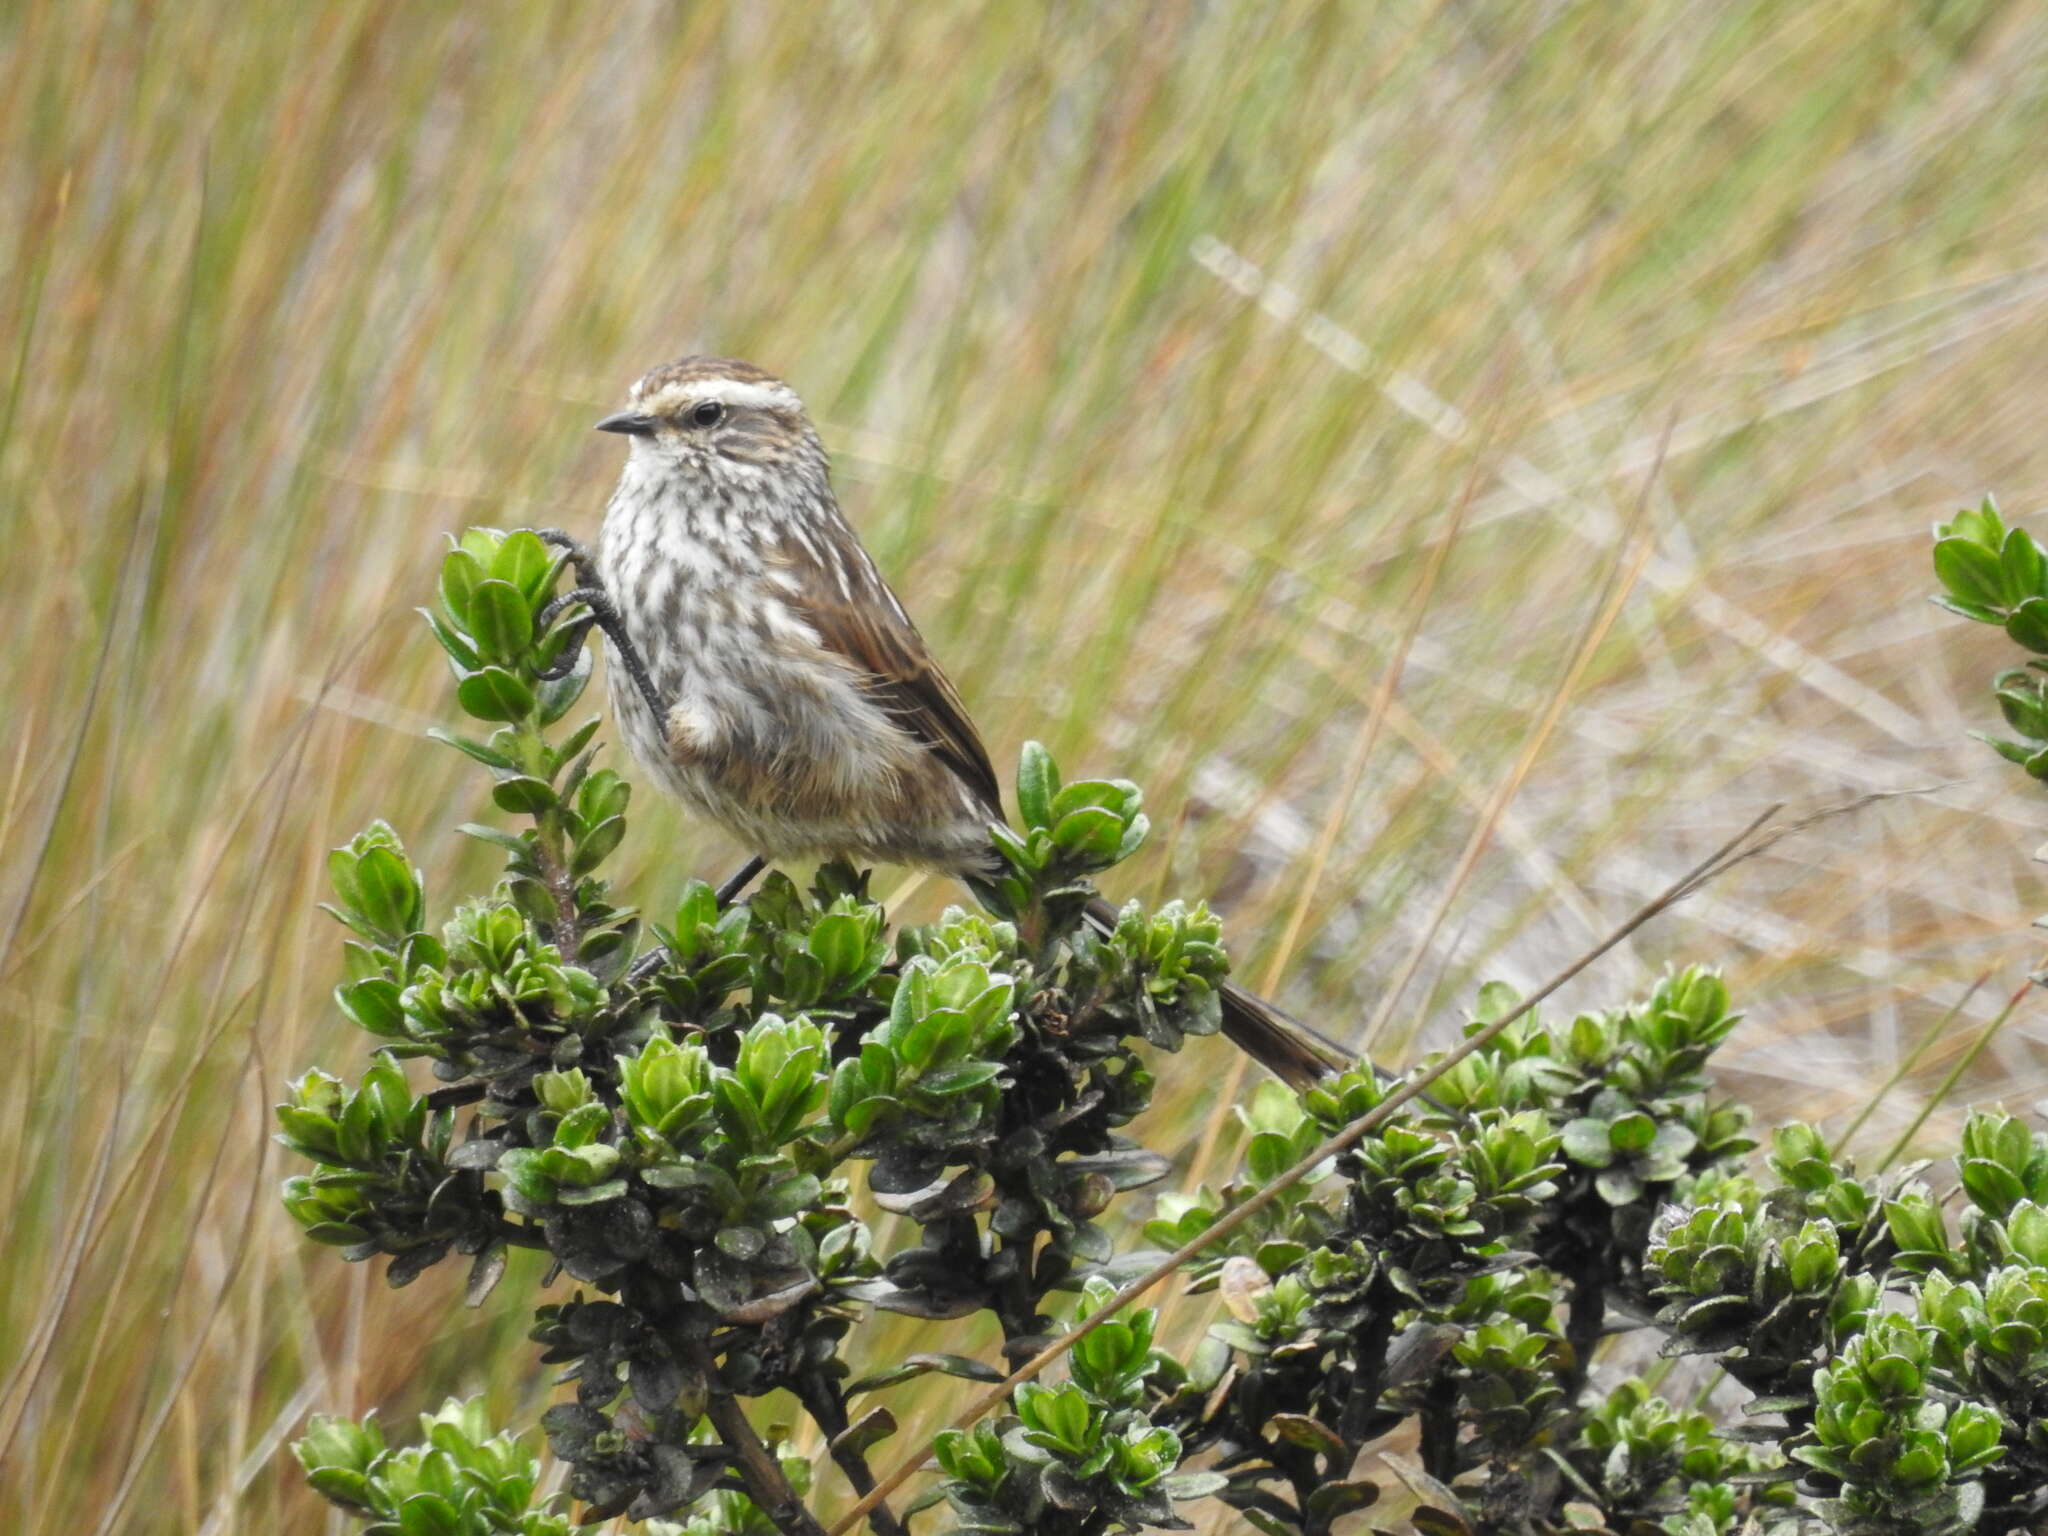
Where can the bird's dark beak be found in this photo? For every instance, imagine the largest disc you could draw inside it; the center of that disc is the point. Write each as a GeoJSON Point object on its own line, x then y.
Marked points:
{"type": "Point", "coordinates": [630, 422]}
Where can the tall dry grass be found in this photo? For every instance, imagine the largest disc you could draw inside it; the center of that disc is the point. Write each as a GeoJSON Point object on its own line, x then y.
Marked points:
{"type": "Point", "coordinates": [1162, 348]}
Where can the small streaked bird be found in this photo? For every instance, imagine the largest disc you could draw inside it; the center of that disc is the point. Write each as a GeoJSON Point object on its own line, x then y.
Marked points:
{"type": "Point", "coordinates": [800, 708]}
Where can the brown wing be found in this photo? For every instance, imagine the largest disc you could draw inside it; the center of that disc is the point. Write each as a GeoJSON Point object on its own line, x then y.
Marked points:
{"type": "Point", "coordinates": [856, 616]}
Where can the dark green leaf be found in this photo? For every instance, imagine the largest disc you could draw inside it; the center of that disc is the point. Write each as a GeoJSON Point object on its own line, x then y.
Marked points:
{"type": "Point", "coordinates": [1310, 1434]}
{"type": "Point", "coordinates": [484, 1275]}
{"type": "Point", "coordinates": [790, 1197]}
{"type": "Point", "coordinates": [968, 1074]}
{"type": "Point", "coordinates": [598, 844]}
{"type": "Point", "coordinates": [559, 695]}
{"type": "Point", "coordinates": [494, 694]}
{"type": "Point", "coordinates": [524, 796]}
{"type": "Point", "coordinates": [497, 837]}
{"type": "Point", "coordinates": [866, 1432]}
{"type": "Point", "coordinates": [476, 749]}
{"type": "Point", "coordinates": [2027, 625]}
{"type": "Point", "coordinates": [373, 1004]}
{"type": "Point", "coordinates": [459, 650]}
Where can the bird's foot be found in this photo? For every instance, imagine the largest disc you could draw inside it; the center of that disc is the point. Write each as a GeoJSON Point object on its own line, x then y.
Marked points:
{"type": "Point", "coordinates": [736, 882]}
{"type": "Point", "coordinates": [605, 615]}
{"type": "Point", "coordinates": [579, 555]}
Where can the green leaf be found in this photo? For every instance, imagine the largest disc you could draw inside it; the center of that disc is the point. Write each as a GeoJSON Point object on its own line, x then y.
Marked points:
{"type": "Point", "coordinates": [500, 620]}
{"type": "Point", "coordinates": [1977, 611]}
{"type": "Point", "coordinates": [1119, 796]}
{"type": "Point", "coordinates": [603, 794]}
{"type": "Point", "coordinates": [839, 943]}
{"type": "Point", "coordinates": [428, 1514]}
{"type": "Point", "coordinates": [741, 1111]}
{"type": "Point", "coordinates": [1586, 1141]}
{"type": "Point", "coordinates": [460, 573]}
{"type": "Point", "coordinates": [523, 795]}
{"type": "Point", "coordinates": [494, 694]}
{"type": "Point", "coordinates": [2023, 567]}
{"type": "Point", "coordinates": [1013, 848]}
{"type": "Point", "coordinates": [951, 1080]}
{"type": "Point", "coordinates": [1310, 1434]}
{"type": "Point", "coordinates": [497, 837]}
{"type": "Point", "coordinates": [598, 844]}
{"type": "Point", "coordinates": [1970, 571]}
{"type": "Point", "coordinates": [356, 1138]}
{"type": "Point", "coordinates": [1181, 1486]}
{"type": "Point", "coordinates": [714, 1181]}
{"type": "Point", "coordinates": [1333, 1499]}
{"type": "Point", "coordinates": [790, 1197]}
{"type": "Point", "coordinates": [1981, 524]}
{"type": "Point", "coordinates": [307, 1133]}
{"type": "Point", "coordinates": [1618, 1187]}
{"type": "Point", "coordinates": [1631, 1132]}
{"type": "Point", "coordinates": [341, 1485]}
{"type": "Point", "coordinates": [2027, 625]}
{"type": "Point", "coordinates": [372, 1004]}
{"type": "Point", "coordinates": [577, 740]}
{"type": "Point", "coordinates": [582, 1125]}
{"type": "Point", "coordinates": [918, 1365]}
{"type": "Point", "coordinates": [459, 650]}
{"type": "Point", "coordinates": [389, 898]}
{"type": "Point", "coordinates": [559, 695]}
{"type": "Point", "coordinates": [1038, 780]}
{"type": "Point", "coordinates": [1135, 832]}
{"type": "Point", "coordinates": [1092, 834]}
{"type": "Point", "coordinates": [524, 562]}
{"type": "Point", "coordinates": [489, 757]}
{"type": "Point", "coordinates": [595, 1194]}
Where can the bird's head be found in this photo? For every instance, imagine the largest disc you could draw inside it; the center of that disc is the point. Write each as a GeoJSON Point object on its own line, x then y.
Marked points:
{"type": "Point", "coordinates": [719, 421]}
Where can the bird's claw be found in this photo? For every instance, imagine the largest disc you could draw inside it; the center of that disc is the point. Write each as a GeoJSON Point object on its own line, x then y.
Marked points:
{"type": "Point", "coordinates": [605, 615]}
{"type": "Point", "coordinates": [600, 606]}
{"type": "Point", "coordinates": [579, 555]}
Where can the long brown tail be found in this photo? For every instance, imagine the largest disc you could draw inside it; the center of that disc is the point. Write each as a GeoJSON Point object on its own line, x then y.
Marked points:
{"type": "Point", "coordinates": [1291, 1051]}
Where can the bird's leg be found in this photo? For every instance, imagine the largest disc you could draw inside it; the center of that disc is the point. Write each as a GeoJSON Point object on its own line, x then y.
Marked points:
{"type": "Point", "coordinates": [590, 592]}
{"type": "Point", "coordinates": [646, 966]}
{"type": "Point", "coordinates": [740, 879]}
{"type": "Point", "coordinates": [736, 882]}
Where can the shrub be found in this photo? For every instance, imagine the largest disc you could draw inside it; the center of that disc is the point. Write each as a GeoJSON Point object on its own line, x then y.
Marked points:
{"type": "Point", "coordinates": [691, 1116]}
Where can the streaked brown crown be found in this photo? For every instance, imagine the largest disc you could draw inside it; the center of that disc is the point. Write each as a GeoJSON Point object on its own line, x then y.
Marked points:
{"type": "Point", "coordinates": [699, 370]}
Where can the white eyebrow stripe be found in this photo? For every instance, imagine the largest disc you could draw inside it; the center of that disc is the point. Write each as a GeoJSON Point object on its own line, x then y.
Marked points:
{"type": "Point", "coordinates": [733, 392]}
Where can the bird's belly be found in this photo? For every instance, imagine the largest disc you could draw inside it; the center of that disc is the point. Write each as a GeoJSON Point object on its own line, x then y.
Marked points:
{"type": "Point", "coordinates": [798, 763]}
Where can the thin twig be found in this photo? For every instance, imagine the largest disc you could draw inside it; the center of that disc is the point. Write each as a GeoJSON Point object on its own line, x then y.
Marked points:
{"type": "Point", "coordinates": [1730, 853]}
{"type": "Point", "coordinates": [1907, 1064]}
{"type": "Point", "coordinates": [1970, 1054]}
{"type": "Point", "coordinates": [1362, 745]}
{"type": "Point", "coordinates": [821, 1396]}
{"type": "Point", "coordinates": [766, 1484]}
{"type": "Point", "coordinates": [1621, 581]}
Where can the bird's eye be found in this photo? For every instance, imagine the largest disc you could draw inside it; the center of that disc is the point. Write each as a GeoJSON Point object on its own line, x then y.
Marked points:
{"type": "Point", "coordinates": [708, 413]}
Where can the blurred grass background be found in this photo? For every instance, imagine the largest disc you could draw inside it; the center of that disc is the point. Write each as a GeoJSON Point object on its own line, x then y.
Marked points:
{"type": "Point", "coordinates": [1164, 350]}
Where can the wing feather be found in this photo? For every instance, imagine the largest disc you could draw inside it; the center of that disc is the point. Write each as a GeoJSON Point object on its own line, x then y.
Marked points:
{"type": "Point", "coordinates": [858, 618]}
